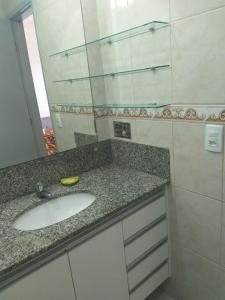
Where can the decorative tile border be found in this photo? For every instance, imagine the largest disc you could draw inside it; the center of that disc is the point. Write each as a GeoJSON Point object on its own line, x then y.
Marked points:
{"type": "Point", "coordinates": [127, 112]}
{"type": "Point", "coordinates": [73, 109]}
{"type": "Point", "coordinates": [188, 113]}
{"type": "Point", "coordinates": [170, 112]}
{"type": "Point", "coordinates": [192, 113]}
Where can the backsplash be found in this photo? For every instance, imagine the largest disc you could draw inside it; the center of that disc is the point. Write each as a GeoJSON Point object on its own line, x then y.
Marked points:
{"type": "Point", "coordinates": [141, 157]}
{"type": "Point", "coordinates": [20, 180]}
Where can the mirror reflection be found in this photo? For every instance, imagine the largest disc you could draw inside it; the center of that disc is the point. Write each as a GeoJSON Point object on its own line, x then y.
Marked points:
{"type": "Point", "coordinates": [68, 70]}
{"type": "Point", "coordinates": [42, 110]}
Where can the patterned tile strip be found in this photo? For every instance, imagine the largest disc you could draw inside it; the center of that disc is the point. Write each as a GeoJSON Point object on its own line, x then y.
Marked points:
{"type": "Point", "coordinates": [190, 113]}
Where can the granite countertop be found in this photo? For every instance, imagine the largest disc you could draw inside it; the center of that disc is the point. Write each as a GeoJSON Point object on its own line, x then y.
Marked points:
{"type": "Point", "coordinates": [114, 187]}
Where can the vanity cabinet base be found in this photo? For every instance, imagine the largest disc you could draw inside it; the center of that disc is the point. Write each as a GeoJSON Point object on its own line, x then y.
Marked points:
{"type": "Point", "coordinates": [125, 259]}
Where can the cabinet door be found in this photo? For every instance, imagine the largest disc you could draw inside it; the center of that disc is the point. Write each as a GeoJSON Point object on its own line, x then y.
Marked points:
{"type": "Point", "coordinates": [53, 281]}
{"type": "Point", "coordinates": [98, 267]}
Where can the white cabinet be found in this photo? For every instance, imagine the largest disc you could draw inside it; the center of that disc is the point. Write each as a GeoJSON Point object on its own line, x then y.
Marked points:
{"type": "Point", "coordinates": [143, 217]}
{"type": "Point", "coordinates": [150, 284]}
{"type": "Point", "coordinates": [98, 267]}
{"type": "Point", "coordinates": [53, 281]}
{"type": "Point", "coordinates": [145, 242]}
{"type": "Point", "coordinates": [146, 248]}
{"type": "Point", "coordinates": [126, 261]}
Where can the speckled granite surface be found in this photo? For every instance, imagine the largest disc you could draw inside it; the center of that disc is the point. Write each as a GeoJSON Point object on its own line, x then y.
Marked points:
{"type": "Point", "coordinates": [115, 187]}
{"type": "Point", "coordinates": [141, 157]}
{"type": "Point", "coordinates": [20, 179]}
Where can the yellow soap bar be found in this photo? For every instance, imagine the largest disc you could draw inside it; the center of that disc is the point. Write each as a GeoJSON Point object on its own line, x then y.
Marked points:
{"type": "Point", "coordinates": [70, 181]}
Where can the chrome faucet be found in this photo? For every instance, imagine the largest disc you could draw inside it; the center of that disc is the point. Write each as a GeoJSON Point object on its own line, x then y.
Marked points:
{"type": "Point", "coordinates": [42, 191]}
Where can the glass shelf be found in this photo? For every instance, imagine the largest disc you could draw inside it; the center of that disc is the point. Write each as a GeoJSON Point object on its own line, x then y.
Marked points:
{"type": "Point", "coordinates": [148, 27]}
{"type": "Point", "coordinates": [108, 106]}
{"type": "Point", "coordinates": [125, 72]}
{"type": "Point", "coordinates": [74, 105]}
{"type": "Point", "coordinates": [147, 105]}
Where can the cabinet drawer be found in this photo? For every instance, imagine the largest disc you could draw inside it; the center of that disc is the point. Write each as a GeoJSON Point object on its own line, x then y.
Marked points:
{"type": "Point", "coordinates": [143, 217]}
{"type": "Point", "coordinates": [148, 265]}
{"type": "Point", "coordinates": [148, 286]}
{"type": "Point", "coordinates": [144, 242]}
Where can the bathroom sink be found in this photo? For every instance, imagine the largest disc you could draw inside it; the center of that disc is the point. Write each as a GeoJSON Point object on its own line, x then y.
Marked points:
{"type": "Point", "coordinates": [53, 211]}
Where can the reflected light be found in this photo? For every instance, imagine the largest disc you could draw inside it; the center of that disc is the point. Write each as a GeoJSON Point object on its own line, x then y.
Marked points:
{"type": "Point", "coordinates": [118, 3]}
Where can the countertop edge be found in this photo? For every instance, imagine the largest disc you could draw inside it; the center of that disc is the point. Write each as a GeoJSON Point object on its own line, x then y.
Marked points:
{"type": "Point", "coordinates": [7, 277]}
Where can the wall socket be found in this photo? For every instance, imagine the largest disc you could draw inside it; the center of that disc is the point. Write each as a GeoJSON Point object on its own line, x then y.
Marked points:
{"type": "Point", "coordinates": [122, 129]}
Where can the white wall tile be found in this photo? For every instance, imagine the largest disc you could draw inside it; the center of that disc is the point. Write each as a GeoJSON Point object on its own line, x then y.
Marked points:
{"type": "Point", "coordinates": [182, 8]}
{"type": "Point", "coordinates": [196, 169]}
{"type": "Point", "coordinates": [151, 49]}
{"type": "Point", "coordinates": [39, 5]}
{"type": "Point", "coordinates": [198, 223]}
{"type": "Point", "coordinates": [71, 123]}
{"type": "Point", "coordinates": [199, 278]}
{"type": "Point", "coordinates": [152, 87]}
{"type": "Point", "coordinates": [198, 51]}
{"type": "Point", "coordinates": [116, 57]}
{"type": "Point", "coordinates": [90, 19]}
{"type": "Point", "coordinates": [112, 16]}
{"type": "Point", "coordinates": [60, 26]}
{"type": "Point", "coordinates": [154, 133]}
{"type": "Point", "coordinates": [119, 89]}
{"type": "Point", "coordinates": [144, 11]}
{"type": "Point", "coordinates": [103, 129]}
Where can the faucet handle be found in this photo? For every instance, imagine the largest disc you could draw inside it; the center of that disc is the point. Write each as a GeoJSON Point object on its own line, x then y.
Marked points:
{"type": "Point", "coordinates": [39, 187]}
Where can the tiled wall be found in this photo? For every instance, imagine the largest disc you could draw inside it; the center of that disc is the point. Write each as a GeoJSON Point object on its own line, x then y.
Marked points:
{"type": "Point", "coordinates": [196, 90]}
{"type": "Point", "coordinates": [59, 27]}
{"type": "Point", "coordinates": [197, 207]}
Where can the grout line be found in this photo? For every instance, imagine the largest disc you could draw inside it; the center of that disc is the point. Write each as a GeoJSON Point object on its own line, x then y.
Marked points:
{"type": "Point", "coordinates": [220, 267]}
{"type": "Point", "coordinates": [219, 263]}
{"type": "Point", "coordinates": [197, 193]}
{"type": "Point", "coordinates": [197, 14]}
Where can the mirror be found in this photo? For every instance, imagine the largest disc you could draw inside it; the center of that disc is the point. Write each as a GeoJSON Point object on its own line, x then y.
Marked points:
{"type": "Point", "coordinates": [71, 68]}
{"type": "Point", "coordinates": [128, 48]}
{"type": "Point", "coordinates": [45, 90]}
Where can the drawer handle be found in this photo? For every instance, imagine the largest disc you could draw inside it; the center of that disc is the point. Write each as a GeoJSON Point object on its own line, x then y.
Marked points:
{"type": "Point", "coordinates": [149, 276]}
{"type": "Point", "coordinates": [149, 252]}
{"type": "Point", "coordinates": [144, 230]}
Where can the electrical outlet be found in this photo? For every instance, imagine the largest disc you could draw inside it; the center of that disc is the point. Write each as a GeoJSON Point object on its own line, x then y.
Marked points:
{"type": "Point", "coordinates": [122, 130]}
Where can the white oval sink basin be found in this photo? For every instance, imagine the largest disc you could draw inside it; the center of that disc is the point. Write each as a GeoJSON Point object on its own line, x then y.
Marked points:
{"type": "Point", "coordinates": [53, 211]}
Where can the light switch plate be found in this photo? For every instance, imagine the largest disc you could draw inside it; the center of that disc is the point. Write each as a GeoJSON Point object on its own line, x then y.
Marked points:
{"type": "Point", "coordinates": [214, 138]}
